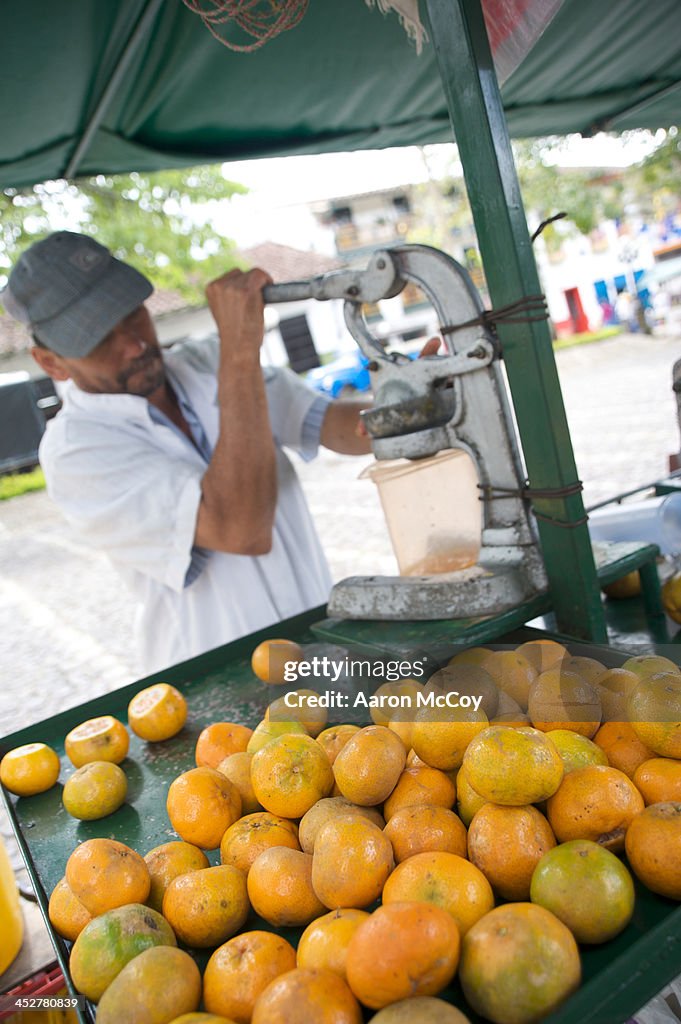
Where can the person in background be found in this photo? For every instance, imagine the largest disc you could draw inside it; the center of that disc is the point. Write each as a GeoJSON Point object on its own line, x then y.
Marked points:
{"type": "Point", "coordinates": [661, 305]}
{"type": "Point", "coordinates": [625, 310]}
{"type": "Point", "coordinates": [173, 462]}
{"type": "Point", "coordinates": [675, 457]}
{"type": "Point", "coordinates": [607, 312]}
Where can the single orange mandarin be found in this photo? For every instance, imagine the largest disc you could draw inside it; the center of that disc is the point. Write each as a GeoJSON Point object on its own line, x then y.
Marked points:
{"type": "Point", "coordinates": [67, 914]}
{"type": "Point", "coordinates": [157, 713]}
{"type": "Point", "coordinates": [653, 848]}
{"type": "Point", "coordinates": [418, 786]}
{"type": "Point", "coordinates": [507, 843]}
{"type": "Point", "coordinates": [659, 780]}
{"type": "Point", "coordinates": [324, 943]}
{"type": "Point", "coordinates": [273, 659]}
{"type": "Point", "coordinates": [237, 768]}
{"type": "Point", "coordinates": [280, 888]}
{"type": "Point", "coordinates": [290, 774]}
{"type": "Point", "coordinates": [499, 959]}
{"type": "Point", "coordinates": [404, 949]}
{"type": "Point", "coordinates": [307, 996]}
{"type": "Point", "coordinates": [597, 803]}
{"type": "Point", "coordinates": [240, 969]}
{"type": "Point", "coordinates": [201, 805]}
{"type": "Point", "coordinates": [97, 739]}
{"type": "Point", "coordinates": [333, 739]}
{"type": "Point", "coordinates": [446, 880]}
{"type": "Point", "coordinates": [513, 766]}
{"type": "Point", "coordinates": [368, 767]}
{"type": "Point", "coordinates": [94, 791]}
{"type": "Point", "coordinates": [29, 769]}
{"type": "Point", "coordinates": [542, 654]}
{"type": "Point", "coordinates": [622, 747]}
{"type": "Point", "coordinates": [351, 861]}
{"type": "Point", "coordinates": [248, 837]}
{"type": "Point", "coordinates": [218, 740]}
{"type": "Point", "coordinates": [104, 874]}
{"type": "Point", "coordinates": [166, 862]}
{"type": "Point", "coordinates": [424, 829]}
{"type": "Point", "coordinates": [207, 906]}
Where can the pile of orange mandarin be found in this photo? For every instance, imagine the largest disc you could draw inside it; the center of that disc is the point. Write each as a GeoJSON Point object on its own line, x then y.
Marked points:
{"type": "Point", "coordinates": [479, 844]}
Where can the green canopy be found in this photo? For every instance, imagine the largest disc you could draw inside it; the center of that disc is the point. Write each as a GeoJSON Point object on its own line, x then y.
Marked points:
{"type": "Point", "coordinates": [93, 86]}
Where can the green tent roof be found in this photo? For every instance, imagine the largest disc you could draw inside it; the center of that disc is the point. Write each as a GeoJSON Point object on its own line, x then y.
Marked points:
{"type": "Point", "coordinates": [345, 78]}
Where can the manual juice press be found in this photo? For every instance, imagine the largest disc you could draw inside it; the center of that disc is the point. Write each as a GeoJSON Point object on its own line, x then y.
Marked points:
{"type": "Point", "coordinates": [448, 467]}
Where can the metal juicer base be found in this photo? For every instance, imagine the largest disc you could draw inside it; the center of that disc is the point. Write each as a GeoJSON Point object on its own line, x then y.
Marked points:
{"type": "Point", "coordinates": [479, 591]}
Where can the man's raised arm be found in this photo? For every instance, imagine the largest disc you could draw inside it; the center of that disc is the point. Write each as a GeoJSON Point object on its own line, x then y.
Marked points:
{"type": "Point", "coordinates": [239, 488]}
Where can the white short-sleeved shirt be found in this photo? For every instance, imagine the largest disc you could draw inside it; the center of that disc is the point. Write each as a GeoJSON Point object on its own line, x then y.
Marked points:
{"type": "Point", "coordinates": [131, 486]}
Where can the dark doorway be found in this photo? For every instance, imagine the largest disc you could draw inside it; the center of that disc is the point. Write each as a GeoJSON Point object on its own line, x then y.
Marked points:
{"type": "Point", "coordinates": [299, 343]}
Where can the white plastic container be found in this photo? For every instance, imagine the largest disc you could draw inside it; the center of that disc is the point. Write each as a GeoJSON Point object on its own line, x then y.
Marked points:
{"type": "Point", "coordinates": [432, 510]}
{"type": "Point", "coordinates": [654, 521]}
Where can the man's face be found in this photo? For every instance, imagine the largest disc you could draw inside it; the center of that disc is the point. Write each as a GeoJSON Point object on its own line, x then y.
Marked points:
{"type": "Point", "coordinates": [126, 362]}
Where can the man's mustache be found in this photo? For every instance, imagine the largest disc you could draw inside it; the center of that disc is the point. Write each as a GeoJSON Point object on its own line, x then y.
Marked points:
{"type": "Point", "coordinates": [149, 356]}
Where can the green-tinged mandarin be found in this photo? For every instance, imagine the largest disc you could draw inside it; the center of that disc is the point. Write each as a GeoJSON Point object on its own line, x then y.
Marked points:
{"type": "Point", "coordinates": [94, 791]}
{"type": "Point", "coordinates": [586, 887]}
{"type": "Point", "coordinates": [576, 751]}
{"type": "Point", "coordinates": [646, 665]}
{"type": "Point", "coordinates": [266, 731]}
{"type": "Point", "coordinates": [420, 1010]}
{"type": "Point", "coordinates": [654, 710]}
{"type": "Point", "coordinates": [513, 767]}
{"type": "Point", "coordinates": [111, 941]}
{"type": "Point", "coordinates": [200, 1018]}
{"type": "Point", "coordinates": [158, 985]}
{"type": "Point", "coordinates": [500, 957]}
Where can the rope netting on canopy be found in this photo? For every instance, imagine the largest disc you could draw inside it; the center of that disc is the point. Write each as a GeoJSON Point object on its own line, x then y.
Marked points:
{"type": "Point", "coordinates": [265, 19]}
{"type": "Point", "coordinates": [513, 26]}
{"type": "Point", "coordinates": [262, 20]}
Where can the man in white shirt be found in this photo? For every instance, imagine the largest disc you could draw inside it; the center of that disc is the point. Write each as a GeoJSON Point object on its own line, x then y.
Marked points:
{"type": "Point", "coordinates": [173, 462]}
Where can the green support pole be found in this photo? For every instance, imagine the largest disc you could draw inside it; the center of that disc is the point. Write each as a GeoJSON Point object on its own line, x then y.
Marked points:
{"type": "Point", "coordinates": [458, 34]}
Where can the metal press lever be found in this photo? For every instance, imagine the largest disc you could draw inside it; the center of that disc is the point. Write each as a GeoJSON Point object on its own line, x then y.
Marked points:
{"type": "Point", "coordinates": [411, 402]}
{"type": "Point", "coordinates": [378, 281]}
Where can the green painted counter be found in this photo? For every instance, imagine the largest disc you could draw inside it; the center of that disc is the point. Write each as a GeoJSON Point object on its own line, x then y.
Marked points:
{"type": "Point", "coordinates": [618, 977]}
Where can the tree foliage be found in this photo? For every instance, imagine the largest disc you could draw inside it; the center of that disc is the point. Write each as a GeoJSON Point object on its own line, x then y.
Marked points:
{"type": "Point", "coordinates": [589, 196]}
{"type": "Point", "coordinates": [443, 215]}
{"type": "Point", "coordinates": [148, 220]}
{"type": "Point", "coordinates": [586, 196]}
{"type": "Point", "coordinates": [658, 178]}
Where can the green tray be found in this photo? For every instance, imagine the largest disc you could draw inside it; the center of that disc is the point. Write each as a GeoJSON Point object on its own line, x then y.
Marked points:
{"type": "Point", "coordinates": [618, 977]}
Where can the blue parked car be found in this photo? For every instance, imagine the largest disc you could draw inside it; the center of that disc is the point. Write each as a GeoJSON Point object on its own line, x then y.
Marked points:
{"type": "Point", "coordinates": [344, 375]}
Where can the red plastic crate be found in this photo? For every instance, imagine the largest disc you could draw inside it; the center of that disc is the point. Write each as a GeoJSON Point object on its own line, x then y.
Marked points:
{"type": "Point", "coordinates": [47, 982]}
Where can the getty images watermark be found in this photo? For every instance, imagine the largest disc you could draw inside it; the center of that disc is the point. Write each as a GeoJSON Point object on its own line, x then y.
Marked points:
{"type": "Point", "coordinates": [331, 670]}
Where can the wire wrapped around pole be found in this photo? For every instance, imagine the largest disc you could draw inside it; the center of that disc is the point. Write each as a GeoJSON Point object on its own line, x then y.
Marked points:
{"type": "Point", "coordinates": [523, 311]}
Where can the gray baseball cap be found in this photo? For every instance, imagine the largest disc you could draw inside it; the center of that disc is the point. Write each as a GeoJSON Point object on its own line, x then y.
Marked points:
{"type": "Point", "coordinates": [71, 292]}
